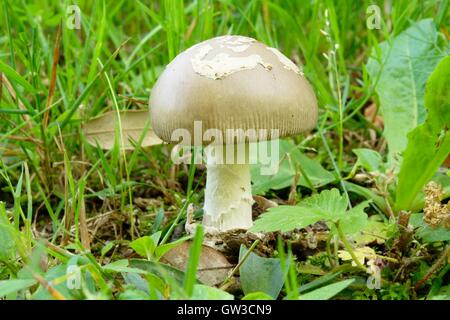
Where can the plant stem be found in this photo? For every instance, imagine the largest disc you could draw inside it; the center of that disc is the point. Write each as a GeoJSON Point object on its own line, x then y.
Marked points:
{"type": "Point", "coordinates": [433, 268]}
{"type": "Point", "coordinates": [329, 253]}
{"type": "Point", "coordinates": [235, 269]}
{"type": "Point", "coordinates": [348, 247]}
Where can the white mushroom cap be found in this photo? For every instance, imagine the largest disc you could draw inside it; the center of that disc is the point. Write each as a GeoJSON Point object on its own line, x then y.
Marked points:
{"type": "Point", "coordinates": [232, 82]}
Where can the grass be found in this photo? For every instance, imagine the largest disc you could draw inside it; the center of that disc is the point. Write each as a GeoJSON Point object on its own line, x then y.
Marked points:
{"type": "Point", "coordinates": [88, 204]}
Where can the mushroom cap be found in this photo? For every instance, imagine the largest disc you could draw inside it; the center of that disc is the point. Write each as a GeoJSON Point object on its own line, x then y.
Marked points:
{"type": "Point", "coordinates": [232, 82]}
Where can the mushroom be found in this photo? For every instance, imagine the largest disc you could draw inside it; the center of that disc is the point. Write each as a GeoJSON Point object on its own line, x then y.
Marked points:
{"type": "Point", "coordinates": [231, 84]}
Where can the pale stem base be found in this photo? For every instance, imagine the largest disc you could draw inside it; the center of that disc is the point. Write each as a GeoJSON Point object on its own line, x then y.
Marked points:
{"type": "Point", "coordinates": [228, 197]}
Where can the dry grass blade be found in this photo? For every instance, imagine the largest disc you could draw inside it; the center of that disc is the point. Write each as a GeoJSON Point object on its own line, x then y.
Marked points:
{"type": "Point", "coordinates": [51, 90]}
{"type": "Point", "coordinates": [84, 231]}
{"type": "Point", "coordinates": [13, 95]}
{"type": "Point", "coordinates": [101, 130]}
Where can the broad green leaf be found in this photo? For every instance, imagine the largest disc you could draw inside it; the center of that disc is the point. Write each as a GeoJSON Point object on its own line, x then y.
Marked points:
{"type": "Point", "coordinates": [134, 125]}
{"type": "Point", "coordinates": [367, 193]}
{"type": "Point", "coordinates": [161, 270]}
{"type": "Point", "coordinates": [369, 159]}
{"type": "Point", "coordinates": [289, 161]}
{"type": "Point", "coordinates": [121, 266]}
{"type": "Point", "coordinates": [163, 249]}
{"type": "Point", "coordinates": [14, 285]}
{"type": "Point", "coordinates": [427, 233]}
{"type": "Point", "coordinates": [257, 296]}
{"type": "Point", "coordinates": [57, 272]}
{"type": "Point", "coordinates": [136, 280]}
{"type": "Point", "coordinates": [327, 292]}
{"type": "Point", "coordinates": [156, 236]}
{"type": "Point", "coordinates": [202, 292]}
{"type": "Point", "coordinates": [106, 248]}
{"type": "Point", "coordinates": [133, 294]}
{"type": "Point", "coordinates": [403, 68]}
{"type": "Point", "coordinates": [7, 244]}
{"type": "Point", "coordinates": [319, 282]}
{"type": "Point", "coordinates": [442, 294]}
{"type": "Point", "coordinates": [144, 246]}
{"type": "Point", "coordinates": [428, 144]}
{"type": "Point", "coordinates": [259, 274]}
{"type": "Point", "coordinates": [374, 231]}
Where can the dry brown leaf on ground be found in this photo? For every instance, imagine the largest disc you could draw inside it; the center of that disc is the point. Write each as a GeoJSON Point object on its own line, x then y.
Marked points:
{"type": "Point", "coordinates": [101, 130]}
{"type": "Point", "coordinates": [212, 269]}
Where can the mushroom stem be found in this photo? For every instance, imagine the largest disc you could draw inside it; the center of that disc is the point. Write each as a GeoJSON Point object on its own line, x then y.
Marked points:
{"type": "Point", "coordinates": [228, 197]}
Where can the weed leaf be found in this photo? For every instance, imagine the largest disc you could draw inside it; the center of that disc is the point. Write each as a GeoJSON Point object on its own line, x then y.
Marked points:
{"type": "Point", "coordinates": [428, 144]}
{"type": "Point", "coordinates": [403, 68]}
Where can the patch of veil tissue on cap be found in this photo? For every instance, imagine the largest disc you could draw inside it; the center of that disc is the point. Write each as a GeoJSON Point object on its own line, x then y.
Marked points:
{"type": "Point", "coordinates": [235, 43]}
{"type": "Point", "coordinates": [224, 64]}
{"type": "Point", "coordinates": [287, 63]}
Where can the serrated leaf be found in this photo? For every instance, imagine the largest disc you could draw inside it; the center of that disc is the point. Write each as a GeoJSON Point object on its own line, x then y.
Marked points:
{"type": "Point", "coordinates": [328, 205]}
{"type": "Point", "coordinates": [428, 144]}
{"type": "Point", "coordinates": [355, 219]}
{"type": "Point", "coordinates": [284, 218]}
{"type": "Point", "coordinates": [102, 130]}
{"type": "Point", "coordinates": [402, 70]}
